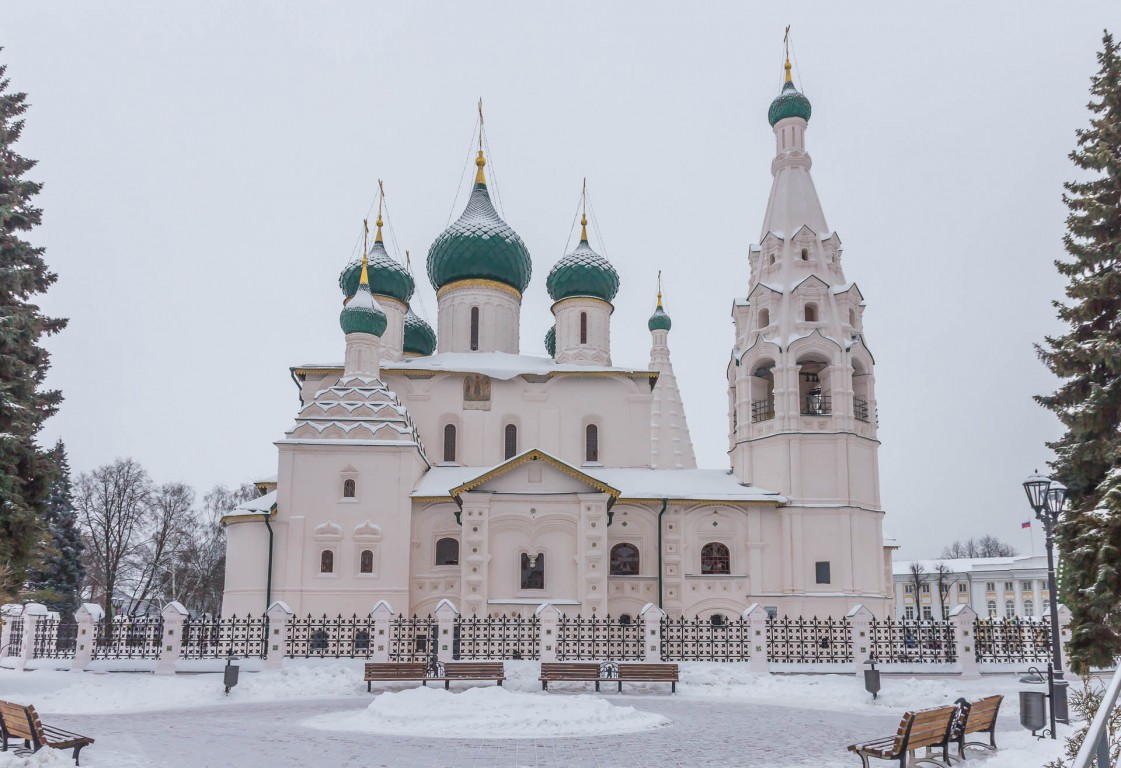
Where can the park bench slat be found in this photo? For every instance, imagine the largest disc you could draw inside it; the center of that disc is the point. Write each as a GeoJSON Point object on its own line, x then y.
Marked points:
{"type": "Point", "coordinates": [453, 670]}
{"type": "Point", "coordinates": [585, 672]}
{"type": "Point", "coordinates": [925, 728]}
{"type": "Point", "coordinates": [22, 722]}
{"type": "Point", "coordinates": [976, 717]}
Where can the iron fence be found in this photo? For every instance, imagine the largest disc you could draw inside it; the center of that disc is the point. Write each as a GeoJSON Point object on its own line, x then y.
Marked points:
{"type": "Point", "coordinates": [496, 637]}
{"type": "Point", "coordinates": [762, 410]}
{"type": "Point", "coordinates": [813, 640]}
{"type": "Point", "coordinates": [338, 637]}
{"type": "Point", "coordinates": [128, 637]}
{"type": "Point", "coordinates": [920, 641]}
{"type": "Point", "coordinates": [55, 639]}
{"type": "Point", "coordinates": [601, 639]}
{"type": "Point", "coordinates": [214, 637]}
{"type": "Point", "coordinates": [413, 638]}
{"type": "Point", "coordinates": [860, 408]}
{"type": "Point", "coordinates": [709, 639]}
{"type": "Point", "coordinates": [15, 639]}
{"type": "Point", "coordinates": [1012, 641]}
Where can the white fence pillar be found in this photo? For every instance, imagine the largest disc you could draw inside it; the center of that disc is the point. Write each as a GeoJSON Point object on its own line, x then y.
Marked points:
{"type": "Point", "coordinates": [32, 614]}
{"type": "Point", "coordinates": [1064, 636]}
{"type": "Point", "coordinates": [652, 617]}
{"type": "Point", "coordinates": [445, 617]}
{"type": "Point", "coordinates": [171, 645]}
{"type": "Point", "coordinates": [756, 617]}
{"type": "Point", "coordinates": [549, 617]}
{"type": "Point", "coordinates": [276, 643]}
{"type": "Point", "coordinates": [87, 616]}
{"type": "Point", "coordinates": [860, 624]}
{"type": "Point", "coordinates": [963, 618]}
{"type": "Point", "coordinates": [383, 616]}
{"type": "Point", "coordinates": [10, 613]}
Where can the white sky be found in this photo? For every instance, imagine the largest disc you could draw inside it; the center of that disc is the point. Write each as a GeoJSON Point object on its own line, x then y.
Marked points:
{"type": "Point", "coordinates": [208, 164]}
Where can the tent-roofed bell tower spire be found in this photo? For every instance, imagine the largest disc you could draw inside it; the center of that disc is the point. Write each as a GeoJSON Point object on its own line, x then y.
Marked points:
{"type": "Point", "coordinates": [671, 446]}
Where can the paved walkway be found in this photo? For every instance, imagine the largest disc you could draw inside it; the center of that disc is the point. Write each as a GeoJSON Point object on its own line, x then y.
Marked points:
{"type": "Point", "coordinates": [703, 732]}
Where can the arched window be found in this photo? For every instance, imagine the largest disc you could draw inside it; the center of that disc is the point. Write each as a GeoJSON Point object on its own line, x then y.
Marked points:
{"type": "Point", "coordinates": [447, 551]}
{"type": "Point", "coordinates": [624, 560]}
{"type": "Point", "coordinates": [591, 443]}
{"type": "Point", "coordinates": [1029, 608]}
{"type": "Point", "coordinates": [348, 488]}
{"type": "Point", "coordinates": [366, 561]}
{"type": "Point", "coordinates": [533, 571]}
{"type": "Point", "coordinates": [326, 561]}
{"type": "Point", "coordinates": [583, 327]}
{"type": "Point", "coordinates": [715, 559]}
{"type": "Point", "coordinates": [511, 441]}
{"type": "Point", "coordinates": [991, 606]}
{"type": "Point", "coordinates": [811, 312]}
{"type": "Point", "coordinates": [449, 443]}
{"type": "Point", "coordinates": [764, 318]}
{"type": "Point", "coordinates": [805, 254]}
{"type": "Point", "coordinates": [1009, 609]}
{"type": "Point", "coordinates": [625, 618]}
{"type": "Point", "coordinates": [474, 329]}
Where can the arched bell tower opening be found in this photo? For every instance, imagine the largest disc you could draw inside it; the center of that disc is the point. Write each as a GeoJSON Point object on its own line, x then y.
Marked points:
{"type": "Point", "coordinates": [814, 387]}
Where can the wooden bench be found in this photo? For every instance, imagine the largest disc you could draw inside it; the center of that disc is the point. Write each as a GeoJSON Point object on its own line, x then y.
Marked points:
{"type": "Point", "coordinates": [975, 717]}
{"type": "Point", "coordinates": [452, 670]}
{"type": "Point", "coordinates": [929, 728]}
{"type": "Point", "coordinates": [615, 672]}
{"type": "Point", "coordinates": [19, 722]}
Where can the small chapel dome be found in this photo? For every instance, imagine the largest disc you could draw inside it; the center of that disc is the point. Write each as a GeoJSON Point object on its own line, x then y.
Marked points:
{"type": "Point", "coordinates": [479, 245]}
{"type": "Point", "coordinates": [363, 314]}
{"type": "Point", "coordinates": [789, 103]}
{"type": "Point", "coordinates": [659, 321]}
{"type": "Point", "coordinates": [387, 277]}
{"type": "Point", "coordinates": [419, 338]}
{"type": "Point", "coordinates": [551, 341]}
{"type": "Point", "coordinates": [583, 273]}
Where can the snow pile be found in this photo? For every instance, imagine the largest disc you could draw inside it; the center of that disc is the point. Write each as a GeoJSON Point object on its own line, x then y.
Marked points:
{"type": "Point", "coordinates": [44, 758]}
{"type": "Point", "coordinates": [489, 712]}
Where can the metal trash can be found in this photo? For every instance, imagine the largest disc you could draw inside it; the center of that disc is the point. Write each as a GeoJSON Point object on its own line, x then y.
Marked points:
{"type": "Point", "coordinates": [1059, 702]}
{"type": "Point", "coordinates": [1033, 714]}
{"type": "Point", "coordinates": [231, 674]}
{"type": "Point", "coordinates": [872, 678]}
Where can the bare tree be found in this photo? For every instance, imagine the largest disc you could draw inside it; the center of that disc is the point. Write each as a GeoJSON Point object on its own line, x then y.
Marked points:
{"type": "Point", "coordinates": [164, 534]}
{"type": "Point", "coordinates": [201, 571]}
{"type": "Point", "coordinates": [112, 502]}
{"type": "Point", "coordinates": [918, 578]}
{"type": "Point", "coordinates": [942, 575]}
{"type": "Point", "coordinates": [986, 546]}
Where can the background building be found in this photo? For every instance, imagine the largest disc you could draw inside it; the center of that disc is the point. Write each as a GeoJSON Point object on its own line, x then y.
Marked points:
{"type": "Point", "coordinates": [996, 587]}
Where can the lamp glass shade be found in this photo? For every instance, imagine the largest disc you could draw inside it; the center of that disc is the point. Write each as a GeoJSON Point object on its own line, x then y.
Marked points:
{"type": "Point", "coordinates": [1036, 487]}
{"type": "Point", "coordinates": [1057, 497]}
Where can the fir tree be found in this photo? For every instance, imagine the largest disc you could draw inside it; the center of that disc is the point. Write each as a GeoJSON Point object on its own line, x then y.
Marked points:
{"type": "Point", "coordinates": [57, 581]}
{"type": "Point", "coordinates": [25, 469]}
{"type": "Point", "coordinates": [1088, 360]}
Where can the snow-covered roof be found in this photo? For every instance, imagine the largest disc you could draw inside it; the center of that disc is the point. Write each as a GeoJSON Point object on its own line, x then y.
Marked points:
{"type": "Point", "coordinates": [971, 564]}
{"type": "Point", "coordinates": [497, 365]}
{"type": "Point", "coordinates": [637, 483]}
{"type": "Point", "coordinates": [261, 505]}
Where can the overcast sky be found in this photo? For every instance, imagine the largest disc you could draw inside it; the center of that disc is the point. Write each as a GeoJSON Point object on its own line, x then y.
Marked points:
{"type": "Point", "coordinates": [207, 166]}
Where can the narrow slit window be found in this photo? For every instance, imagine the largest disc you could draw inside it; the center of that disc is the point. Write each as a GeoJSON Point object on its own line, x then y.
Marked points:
{"type": "Point", "coordinates": [348, 489]}
{"type": "Point", "coordinates": [811, 313]}
{"type": "Point", "coordinates": [474, 329]}
{"type": "Point", "coordinates": [366, 561]}
{"type": "Point", "coordinates": [591, 443]}
{"type": "Point", "coordinates": [511, 441]}
{"type": "Point", "coordinates": [533, 571]}
{"type": "Point", "coordinates": [327, 561]}
{"type": "Point", "coordinates": [449, 443]}
{"type": "Point", "coordinates": [583, 327]}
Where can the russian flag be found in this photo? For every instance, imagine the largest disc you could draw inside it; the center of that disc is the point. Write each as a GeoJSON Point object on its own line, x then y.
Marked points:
{"type": "Point", "coordinates": [1026, 525]}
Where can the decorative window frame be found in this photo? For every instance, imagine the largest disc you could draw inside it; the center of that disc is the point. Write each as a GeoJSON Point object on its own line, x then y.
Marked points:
{"type": "Point", "coordinates": [367, 536]}
{"type": "Point", "coordinates": [437, 536]}
{"type": "Point", "coordinates": [531, 549]}
{"type": "Point", "coordinates": [598, 424]}
{"type": "Point", "coordinates": [328, 536]}
{"type": "Point", "coordinates": [349, 473]}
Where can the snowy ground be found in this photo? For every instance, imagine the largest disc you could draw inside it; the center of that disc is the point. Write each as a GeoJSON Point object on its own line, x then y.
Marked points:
{"type": "Point", "coordinates": [320, 714]}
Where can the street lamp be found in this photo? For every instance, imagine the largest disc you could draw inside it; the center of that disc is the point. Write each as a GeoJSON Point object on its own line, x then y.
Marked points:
{"type": "Point", "coordinates": [1048, 499]}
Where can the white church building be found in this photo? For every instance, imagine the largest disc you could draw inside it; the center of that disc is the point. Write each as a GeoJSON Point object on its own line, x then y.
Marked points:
{"type": "Point", "coordinates": [446, 464]}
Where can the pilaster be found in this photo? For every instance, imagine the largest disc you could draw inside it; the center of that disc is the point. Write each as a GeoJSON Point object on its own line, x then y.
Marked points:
{"type": "Point", "coordinates": [475, 554]}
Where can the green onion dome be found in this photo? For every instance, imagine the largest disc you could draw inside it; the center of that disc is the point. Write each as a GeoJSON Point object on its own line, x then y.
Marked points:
{"type": "Point", "coordinates": [363, 314]}
{"type": "Point", "coordinates": [583, 273]}
{"type": "Point", "coordinates": [659, 321]}
{"type": "Point", "coordinates": [789, 103]}
{"type": "Point", "coordinates": [479, 245]}
{"type": "Point", "coordinates": [551, 341]}
{"type": "Point", "coordinates": [419, 337]}
{"type": "Point", "coordinates": [387, 277]}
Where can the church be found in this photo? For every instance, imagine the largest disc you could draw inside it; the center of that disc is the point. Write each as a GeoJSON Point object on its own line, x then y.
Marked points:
{"type": "Point", "coordinates": [442, 463]}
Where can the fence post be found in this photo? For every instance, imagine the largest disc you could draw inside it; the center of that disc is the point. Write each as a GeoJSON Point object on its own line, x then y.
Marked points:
{"type": "Point", "coordinates": [87, 616]}
{"type": "Point", "coordinates": [652, 617]}
{"type": "Point", "coordinates": [171, 644]}
{"type": "Point", "coordinates": [10, 613]}
{"type": "Point", "coordinates": [32, 614]}
{"type": "Point", "coordinates": [1064, 636]}
{"type": "Point", "coordinates": [549, 616]}
{"type": "Point", "coordinates": [383, 615]}
{"type": "Point", "coordinates": [445, 616]}
{"type": "Point", "coordinates": [860, 624]}
{"type": "Point", "coordinates": [756, 617]}
{"type": "Point", "coordinates": [276, 643]}
{"type": "Point", "coordinates": [964, 621]}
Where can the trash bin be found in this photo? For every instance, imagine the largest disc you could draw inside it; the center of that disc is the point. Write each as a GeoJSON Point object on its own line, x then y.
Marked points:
{"type": "Point", "coordinates": [231, 673]}
{"type": "Point", "coordinates": [1059, 702]}
{"type": "Point", "coordinates": [1033, 716]}
{"type": "Point", "coordinates": [872, 678]}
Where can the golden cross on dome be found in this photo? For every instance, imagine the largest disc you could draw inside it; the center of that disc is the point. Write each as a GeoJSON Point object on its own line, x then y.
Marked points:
{"type": "Point", "coordinates": [584, 212]}
{"type": "Point", "coordinates": [364, 279]}
{"type": "Point", "coordinates": [786, 49]}
{"type": "Point", "coordinates": [381, 198]}
{"type": "Point", "coordinates": [659, 289]}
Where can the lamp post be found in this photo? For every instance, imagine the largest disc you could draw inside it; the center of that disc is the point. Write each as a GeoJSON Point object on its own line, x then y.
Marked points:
{"type": "Point", "coordinates": [1048, 499]}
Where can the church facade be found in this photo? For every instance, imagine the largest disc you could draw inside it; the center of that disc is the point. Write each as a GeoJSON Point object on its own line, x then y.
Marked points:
{"type": "Point", "coordinates": [444, 464]}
